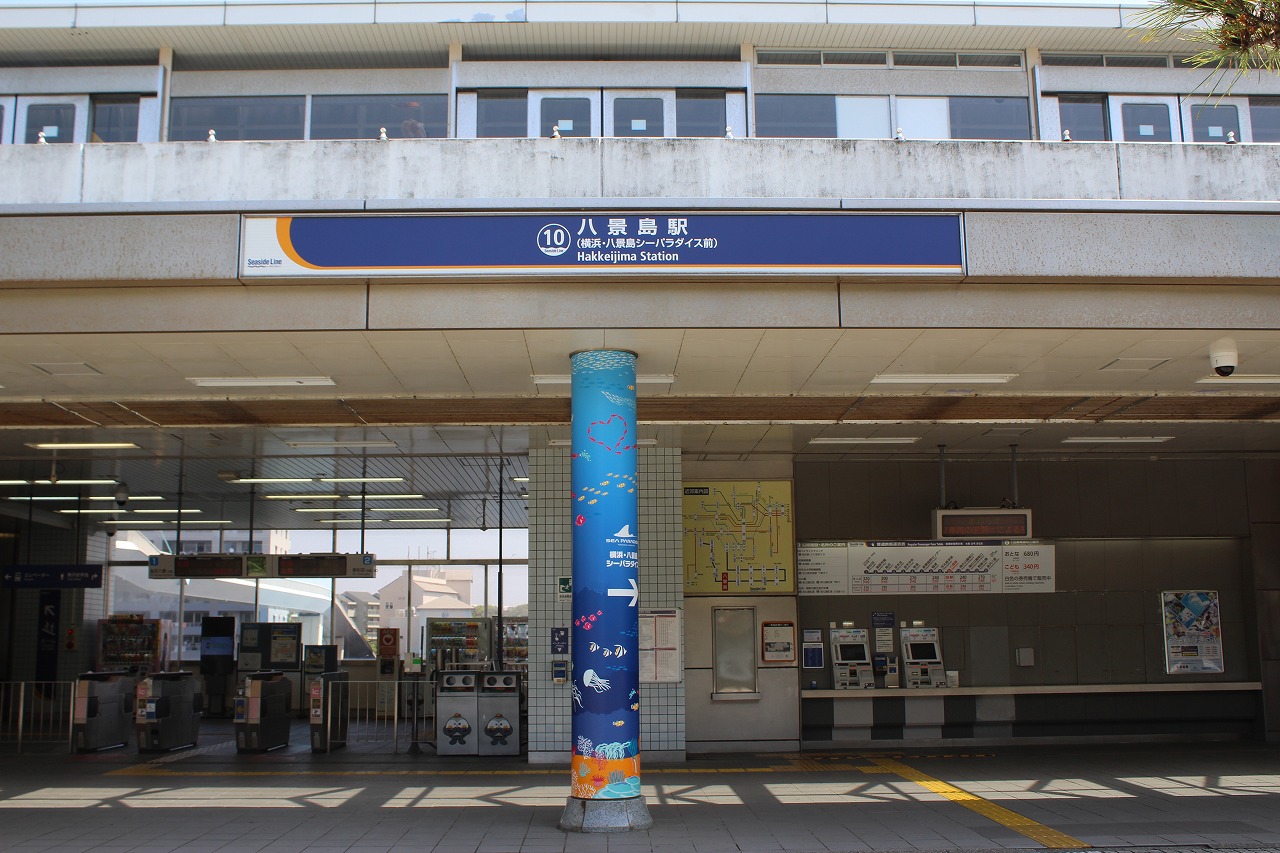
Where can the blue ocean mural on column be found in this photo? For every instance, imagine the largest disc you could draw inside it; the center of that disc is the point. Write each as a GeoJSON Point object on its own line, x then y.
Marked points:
{"type": "Point", "coordinates": [606, 557]}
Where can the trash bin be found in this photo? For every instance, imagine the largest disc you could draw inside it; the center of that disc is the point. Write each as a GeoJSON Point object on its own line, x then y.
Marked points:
{"type": "Point", "coordinates": [498, 710]}
{"type": "Point", "coordinates": [330, 710]}
{"type": "Point", "coordinates": [456, 712]}
{"type": "Point", "coordinates": [103, 711]}
{"type": "Point", "coordinates": [262, 713]}
{"type": "Point", "coordinates": [169, 708]}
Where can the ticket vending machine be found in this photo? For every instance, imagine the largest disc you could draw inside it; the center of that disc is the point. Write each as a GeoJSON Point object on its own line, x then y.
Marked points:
{"type": "Point", "coordinates": [922, 658]}
{"type": "Point", "coordinates": [851, 659]}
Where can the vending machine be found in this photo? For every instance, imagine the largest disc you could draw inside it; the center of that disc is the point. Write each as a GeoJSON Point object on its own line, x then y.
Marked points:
{"type": "Point", "coordinates": [922, 658]}
{"type": "Point", "coordinates": [851, 659]}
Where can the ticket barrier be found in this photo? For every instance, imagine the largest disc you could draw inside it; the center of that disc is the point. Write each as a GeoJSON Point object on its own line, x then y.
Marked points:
{"type": "Point", "coordinates": [262, 719]}
{"type": "Point", "coordinates": [457, 712]}
{"type": "Point", "coordinates": [169, 709]}
{"type": "Point", "coordinates": [103, 711]}
{"type": "Point", "coordinates": [498, 710]}
{"type": "Point", "coordinates": [922, 658]}
{"type": "Point", "coordinates": [330, 710]}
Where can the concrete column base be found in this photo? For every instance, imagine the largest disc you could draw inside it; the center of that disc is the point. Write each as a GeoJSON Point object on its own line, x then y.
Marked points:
{"type": "Point", "coordinates": [623, 815]}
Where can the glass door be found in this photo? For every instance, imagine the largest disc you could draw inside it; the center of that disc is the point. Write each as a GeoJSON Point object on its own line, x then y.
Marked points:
{"type": "Point", "coordinates": [62, 119]}
{"type": "Point", "coordinates": [1145, 118]}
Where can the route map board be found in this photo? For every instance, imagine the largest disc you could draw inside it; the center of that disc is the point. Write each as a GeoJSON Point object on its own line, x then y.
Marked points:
{"type": "Point", "coordinates": [895, 568]}
{"type": "Point", "coordinates": [739, 538]}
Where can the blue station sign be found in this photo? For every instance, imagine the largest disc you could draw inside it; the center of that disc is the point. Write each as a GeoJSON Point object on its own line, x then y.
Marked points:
{"type": "Point", "coordinates": [595, 243]}
{"type": "Point", "coordinates": [52, 577]}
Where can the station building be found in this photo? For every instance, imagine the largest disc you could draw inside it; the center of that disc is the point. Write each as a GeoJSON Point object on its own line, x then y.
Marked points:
{"type": "Point", "coordinates": [875, 260]}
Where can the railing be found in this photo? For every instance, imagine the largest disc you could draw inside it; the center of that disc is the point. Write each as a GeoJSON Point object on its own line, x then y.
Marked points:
{"type": "Point", "coordinates": [36, 713]}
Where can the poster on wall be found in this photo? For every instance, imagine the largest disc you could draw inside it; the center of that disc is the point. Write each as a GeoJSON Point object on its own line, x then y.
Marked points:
{"type": "Point", "coordinates": [659, 646]}
{"type": "Point", "coordinates": [1192, 632]}
{"type": "Point", "coordinates": [778, 642]}
{"type": "Point", "coordinates": [739, 538]}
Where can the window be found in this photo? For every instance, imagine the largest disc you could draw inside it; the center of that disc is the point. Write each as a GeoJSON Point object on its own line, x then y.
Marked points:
{"type": "Point", "coordinates": [795, 116]}
{"type": "Point", "coordinates": [502, 113]}
{"type": "Point", "coordinates": [113, 119]}
{"type": "Point", "coordinates": [924, 60]}
{"type": "Point", "coordinates": [571, 115]}
{"type": "Point", "coordinates": [1264, 113]}
{"type": "Point", "coordinates": [241, 546]}
{"type": "Point", "coordinates": [637, 117]}
{"type": "Point", "coordinates": [57, 121]}
{"type": "Point", "coordinates": [1085, 116]}
{"type": "Point", "coordinates": [1137, 61]}
{"type": "Point", "coordinates": [1146, 123]}
{"type": "Point", "coordinates": [700, 112]}
{"type": "Point", "coordinates": [1073, 60]}
{"type": "Point", "coordinates": [363, 116]}
{"type": "Point", "coordinates": [788, 57]}
{"type": "Point", "coordinates": [990, 118]}
{"type": "Point", "coordinates": [1212, 122]}
{"type": "Point", "coordinates": [191, 119]}
{"type": "Point", "coordinates": [990, 60]}
{"type": "Point", "coordinates": [831, 57]}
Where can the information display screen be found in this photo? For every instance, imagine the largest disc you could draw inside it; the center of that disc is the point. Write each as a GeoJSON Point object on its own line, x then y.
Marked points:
{"type": "Point", "coordinates": [851, 653]}
{"type": "Point", "coordinates": [214, 566]}
{"type": "Point", "coordinates": [922, 651]}
{"type": "Point", "coordinates": [1012, 525]}
{"type": "Point", "coordinates": [312, 566]}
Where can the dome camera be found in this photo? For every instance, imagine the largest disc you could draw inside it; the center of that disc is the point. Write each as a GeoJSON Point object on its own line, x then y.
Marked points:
{"type": "Point", "coordinates": [122, 495]}
{"type": "Point", "coordinates": [1223, 356]}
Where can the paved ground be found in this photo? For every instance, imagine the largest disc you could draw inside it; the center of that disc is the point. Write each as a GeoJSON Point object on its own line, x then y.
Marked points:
{"type": "Point", "coordinates": [1170, 797]}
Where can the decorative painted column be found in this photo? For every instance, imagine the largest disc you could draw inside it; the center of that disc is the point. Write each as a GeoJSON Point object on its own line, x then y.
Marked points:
{"type": "Point", "coordinates": [605, 793]}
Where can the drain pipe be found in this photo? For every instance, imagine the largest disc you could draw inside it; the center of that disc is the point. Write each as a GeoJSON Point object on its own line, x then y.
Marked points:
{"type": "Point", "coordinates": [942, 476]}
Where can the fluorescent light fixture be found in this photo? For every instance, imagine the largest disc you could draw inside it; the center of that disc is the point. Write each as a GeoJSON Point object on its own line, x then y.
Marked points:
{"type": "Point", "coordinates": [303, 497]}
{"type": "Point", "coordinates": [74, 482]}
{"type": "Point", "coordinates": [43, 498]}
{"type": "Point", "coordinates": [131, 498]}
{"type": "Point", "coordinates": [513, 479]}
{"type": "Point", "coordinates": [566, 379]}
{"type": "Point", "coordinates": [257, 381]}
{"type": "Point", "coordinates": [646, 442]}
{"type": "Point", "coordinates": [885, 439]}
{"type": "Point", "coordinates": [941, 378]}
{"type": "Point", "coordinates": [342, 444]}
{"type": "Point", "coordinates": [204, 521]}
{"type": "Point", "coordinates": [411, 520]}
{"type": "Point", "coordinates": [403, 509]}
{"type": "Point", "coordinates": [169, 511]}
{"type": "Point", "coordinates": [92, 511]}
{"type": "Point", "coordinates": [350, 520]}
{"type": "Point", "coordinates": [84, 445]}
{"type": "Point", "coordinates": [15, 482]}
{"type": "Point", "coordinates": [1241, 379]}
{"type": "Point", "coordinates": [330, 509]}
{"type": "Point", "coordinates": [362, 479]}
{"type": "Point", "coordinates": [128, 521]}
{"type": "Point", "coordinates": [273, 480]}
{"type": "Point", "coordinates": [387, 497]}
{"type": "Point", "coordinates": [558, 442]}
{"type": "Point", "coordinates": [1117, 439]}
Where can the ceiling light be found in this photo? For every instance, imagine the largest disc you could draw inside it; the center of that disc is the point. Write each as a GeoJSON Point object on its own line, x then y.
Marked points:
{"type": "Point", "coordinates": [513, 479]}
{"type": "Point", "coordinates": [887, 439]}
{"type": "Point", "coordinates": [558, 442]}
{"type": "Point", "coordinates": [43, 498]}
{"type": "Point", "coordinates": [204, 521]}
{"type": "Point", "coordinates": [646, 442]}
{"type": "Point", "coordinates": [83, 445]}
{"type": "Point", "coordinates": [128, 521]}
{"type": "Point", "coordinates": [74, 482]}
{"type": "Point", "coordinates": [302, 497]}
{"type": "Point", "coordinates": [331, 509]}
{"type": "Point", "coordinates": [273, 480]}
{"type": "Point", "coordinates": [566, 379]}
{"type": "Point", "coordinates": [131, 498]}
{"type": "Point", "coordinates": [341, 444]}
{"type": "Point", "coordinates": [403, 509]}
{"type": "Point", "coordinates": [350, 520]}
{"type": "Point", "coordinates": [411, 520]}
{"type": "Point", "coordinates": [15, 482]}
{"type": "Point", "coordinates": [168, 511]}
{"type": "Point", "coordinates": [387, 497]}
{"type": "Point", "coordinates": [1241, 379]}
{"type": "Point", "coordinates": [1117, 439]}
{"type": "Point", "coordinates": [941, 378]}
{"type": "Point", "coordinates": [362, 479]}
{"type": "Point", "coordinates": [92, 511]}
{"type": "Point", "coordinates": [257, 381]}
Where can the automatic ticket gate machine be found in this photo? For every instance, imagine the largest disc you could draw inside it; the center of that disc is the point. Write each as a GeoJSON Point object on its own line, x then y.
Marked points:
{"type": "Point", "coordinates": [457, 712]}
{"type": "Point", "coordinates": [922, 658]}
{"type": "Point", "coordinates": [262, 718]}
{"type": "Point", "coordinates": [329, 709]}
{"type": "Point", "coordinates": [218, 663]}
{"type": "Point", "coordinates": [103, 712]}
{"type": "Point", "coordinates": [169, 708]}
{"type": "Point", "coordinates": [851, 659]}
{"type": "Point", "coordinates": [498, 712]}
{"type": "Point", "coordinates": [316, 660]}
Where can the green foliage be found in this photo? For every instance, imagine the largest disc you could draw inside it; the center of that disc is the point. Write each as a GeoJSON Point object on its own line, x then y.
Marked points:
{"type": "Point", "coordinates": [1235, 36]}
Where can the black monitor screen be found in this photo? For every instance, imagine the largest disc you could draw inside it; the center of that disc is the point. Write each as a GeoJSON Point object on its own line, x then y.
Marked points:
{"type": "Point", "coordinates": [922, 651]}
{"type": "Point", "coordinates": [851, 653]}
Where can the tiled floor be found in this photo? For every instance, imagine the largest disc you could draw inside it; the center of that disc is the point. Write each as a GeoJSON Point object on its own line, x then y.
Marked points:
{"type": "Point", "coordinates": [1170, 797]}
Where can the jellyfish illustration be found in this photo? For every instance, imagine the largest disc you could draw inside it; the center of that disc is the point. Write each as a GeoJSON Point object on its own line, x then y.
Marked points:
{"type": "Point", "coordinates": [595, 682]}
{"type": "Point", "coordinates": [577, 696]}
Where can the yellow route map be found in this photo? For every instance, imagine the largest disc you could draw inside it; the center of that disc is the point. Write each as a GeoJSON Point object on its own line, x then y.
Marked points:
{"type": "Point", "coordinates": [739, 538]}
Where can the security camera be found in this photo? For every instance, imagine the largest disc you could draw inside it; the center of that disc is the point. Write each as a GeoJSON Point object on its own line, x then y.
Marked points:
{"type": "Point", "coordinates": [122, 495]}
{"type": "Point", "coordinates": [1223, 356]}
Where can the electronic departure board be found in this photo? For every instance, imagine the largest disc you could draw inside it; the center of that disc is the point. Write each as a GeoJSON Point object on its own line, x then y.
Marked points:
{"type": "Point", "coordinates": [326, 565]}
{"type": "Point", "coordinates": [194, 566]}
{"type": "Point", "coordinates": [982, 524]}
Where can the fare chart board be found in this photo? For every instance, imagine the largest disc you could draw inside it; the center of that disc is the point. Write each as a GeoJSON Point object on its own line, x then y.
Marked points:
{"type": "Point", "coordinates": [896, 568]}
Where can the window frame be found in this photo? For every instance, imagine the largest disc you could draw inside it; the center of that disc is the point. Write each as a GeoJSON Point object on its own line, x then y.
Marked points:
{"type": "Point", "coordinates": [1188, 108]}
{"type": "Point", "coordinates": [79, 123]}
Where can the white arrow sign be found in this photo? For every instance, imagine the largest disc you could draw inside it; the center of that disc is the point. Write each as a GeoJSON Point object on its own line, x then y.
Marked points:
{"type": "Point", "coordinates": [634, 592]}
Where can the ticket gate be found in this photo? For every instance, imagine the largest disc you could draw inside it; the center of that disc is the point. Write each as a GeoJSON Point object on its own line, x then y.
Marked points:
{"type": "Point", "coordinates": [329, 710]}
{"type": "Point", "coordinates": [169, 709]}
{"type": "Point", "coordinates": [498, 711]}
{"type": "Point", "coordinates": [103, 711]}
{"type": "Point", "coordinates": [262, 719]}
{"type": "Point", "coordinates": [457, 713]}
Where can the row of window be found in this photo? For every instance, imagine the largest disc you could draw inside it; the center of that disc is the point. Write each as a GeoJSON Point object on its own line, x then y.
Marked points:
{"type": "Point", "coordinates": [888, 59]}
{"type": "Point", "coordinates": [515, 113]}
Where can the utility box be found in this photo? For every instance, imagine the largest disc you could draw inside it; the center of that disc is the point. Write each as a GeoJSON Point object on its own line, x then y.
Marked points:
{"type": "Point", "coordinates": [456, 713]}
{"type": "Point", "coordinates": [169, 708]}
{"type": "Point", "coordinates": [498, 710]}
{"type": "Point", "coordinates": [103, 711]}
